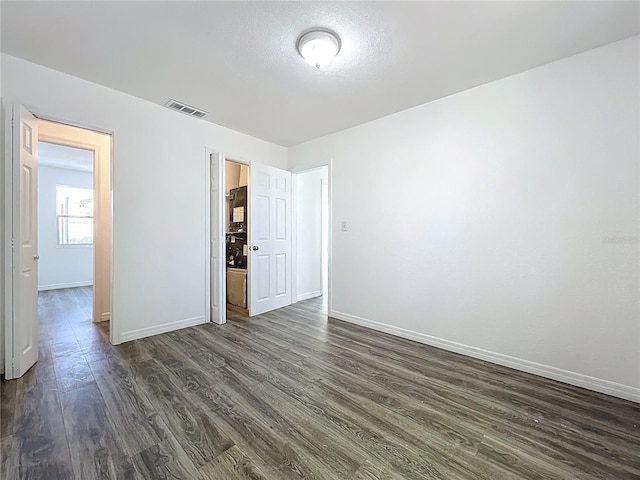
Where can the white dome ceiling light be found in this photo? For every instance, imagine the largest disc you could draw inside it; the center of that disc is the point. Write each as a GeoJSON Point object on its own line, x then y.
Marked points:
{"type": "Point", "coordinates": [319, 47]}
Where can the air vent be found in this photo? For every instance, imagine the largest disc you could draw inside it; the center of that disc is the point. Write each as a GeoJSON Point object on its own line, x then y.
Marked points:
{"type": "Point", "coordinates": [186, 109]}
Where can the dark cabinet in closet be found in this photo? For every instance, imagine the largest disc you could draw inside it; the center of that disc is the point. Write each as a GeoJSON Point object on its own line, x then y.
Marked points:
{"type": "Point", "coordinates": [237, 234]}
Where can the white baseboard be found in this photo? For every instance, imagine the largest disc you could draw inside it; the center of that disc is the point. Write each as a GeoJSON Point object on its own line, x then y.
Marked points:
{"type": "Point", "coordinates": [57, 286]}
{"type": "Point", "coordinates": [105, 317]}
{"type": "Point", "coordinates": [306, 296]}
{"type": "Point", "coordinates": [565, 376]}
{"type": "Point", "coordinates": [157, 329]}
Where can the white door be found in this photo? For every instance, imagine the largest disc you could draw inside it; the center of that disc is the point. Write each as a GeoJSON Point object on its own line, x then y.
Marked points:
{"type": "Point", "coordinates": [218, 296]}
{"type": "Point", "coordinates": [270, 230]}
{"type": "Point", "coordinates": [22, 351]}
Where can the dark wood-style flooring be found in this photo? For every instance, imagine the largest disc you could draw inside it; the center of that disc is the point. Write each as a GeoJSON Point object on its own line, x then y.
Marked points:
{"type": "Point", "coordinates": [290, 395]}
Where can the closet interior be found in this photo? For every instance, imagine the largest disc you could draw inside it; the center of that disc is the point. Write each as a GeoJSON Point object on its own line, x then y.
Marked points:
{"type": "Point", "coordinates": [236, 228]}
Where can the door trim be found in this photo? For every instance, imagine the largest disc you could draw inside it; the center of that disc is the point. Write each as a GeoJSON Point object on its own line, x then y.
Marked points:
{"type": "Point", "coordinates": [208, 238]}
{"type": "Point", "coordinates": [208, 152]}
{"type": "Point", "coordinates": [7, 214]}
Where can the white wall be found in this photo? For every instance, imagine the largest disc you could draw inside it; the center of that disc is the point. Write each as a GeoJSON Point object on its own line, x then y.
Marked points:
{"type": "Point", "coordinates": [500, 222]}
{"type": "Point", "coordinates": [159, 190]}
{"type": "Point", "coordinates": [308, 227]}
{"type": "Point", "coordinates": [60, 266]}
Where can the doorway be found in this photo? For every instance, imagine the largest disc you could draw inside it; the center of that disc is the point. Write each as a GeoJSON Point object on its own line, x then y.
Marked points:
{"type": "Point", "coordinates": [236, 239]}
{"type": "Point", "coordinates": [58, 182]}
{"type": "Point", "coordinates": [312, 235]}
{"type": "Point", "coordinates": [96, 146]}
{"type": "Point", "coordinates": [267, 225]}
{"type": "Point", "coordinates": [66, 201]}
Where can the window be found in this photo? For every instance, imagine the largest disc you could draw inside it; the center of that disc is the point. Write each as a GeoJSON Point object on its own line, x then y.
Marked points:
{"type": "Point", "coordinates": [75, 215]}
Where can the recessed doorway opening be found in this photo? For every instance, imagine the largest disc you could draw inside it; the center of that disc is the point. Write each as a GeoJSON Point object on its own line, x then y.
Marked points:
{"type": "Point", "coordinates": [82, 213]}
{"type": "Point", "coordinates": [312, 235]}
{"type": "Point", "coordinates": [74, 234]}
{"type": "Point", "coordinates": [66, 206]}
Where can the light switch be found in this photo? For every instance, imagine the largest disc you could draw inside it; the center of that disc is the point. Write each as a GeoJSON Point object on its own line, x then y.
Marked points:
{"type": "Point", "coordinates": [344, 226]}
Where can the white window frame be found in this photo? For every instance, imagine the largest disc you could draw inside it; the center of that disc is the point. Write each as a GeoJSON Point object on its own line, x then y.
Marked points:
{"type": "Point", "coordinates": [60, 218]}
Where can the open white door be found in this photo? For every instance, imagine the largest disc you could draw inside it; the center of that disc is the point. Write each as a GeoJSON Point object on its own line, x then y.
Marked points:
{"type": "Point", "coordinates": [22, 323]}
{"type": "Point", "coordinates": [270, 230]}
{"type": "Point", "coordinates": [218, 296]}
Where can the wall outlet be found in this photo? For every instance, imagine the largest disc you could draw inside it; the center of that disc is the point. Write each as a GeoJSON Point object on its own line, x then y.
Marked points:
{"type": "Point", "coordinates": [344, 226]}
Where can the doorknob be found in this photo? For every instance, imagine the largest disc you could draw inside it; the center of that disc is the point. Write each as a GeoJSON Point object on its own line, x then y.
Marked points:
{"type": "Point", "coordinates": [255, 247]}
{"type": "Point", "coordinates": [37, 257]}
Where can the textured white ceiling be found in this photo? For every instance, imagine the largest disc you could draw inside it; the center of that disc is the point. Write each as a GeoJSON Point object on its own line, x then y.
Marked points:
{"type": "Point", "coordinates": [238, 60]}
{"type": "Point", "coordinates": [53, 155]}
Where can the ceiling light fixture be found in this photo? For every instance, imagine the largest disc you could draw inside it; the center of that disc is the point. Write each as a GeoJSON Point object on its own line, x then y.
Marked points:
{"type": "Point", "coordinates": [319, 47]}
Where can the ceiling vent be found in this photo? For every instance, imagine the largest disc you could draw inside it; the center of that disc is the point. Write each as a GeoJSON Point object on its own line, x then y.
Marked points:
{"type": "Point", "coordinates": [186, 109]}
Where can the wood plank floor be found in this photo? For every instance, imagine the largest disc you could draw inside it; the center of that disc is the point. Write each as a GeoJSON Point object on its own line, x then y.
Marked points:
{"type": "Point", "coordinates": [290, 395]}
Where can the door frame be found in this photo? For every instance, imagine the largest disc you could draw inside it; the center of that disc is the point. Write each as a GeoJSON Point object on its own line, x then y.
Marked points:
{"type": "Point", "coordinates": [208, 152]}
{"type": "Point", "coordinates": [100, 171]}
{"type": "Point", "coordinates": [7, 166]}
{"type": "Point", "coordinates": [208, 274]}
{"type": "Point", "coordinates": [7, 257]}
{"type": "Point", "coordinates": [294, 236]}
